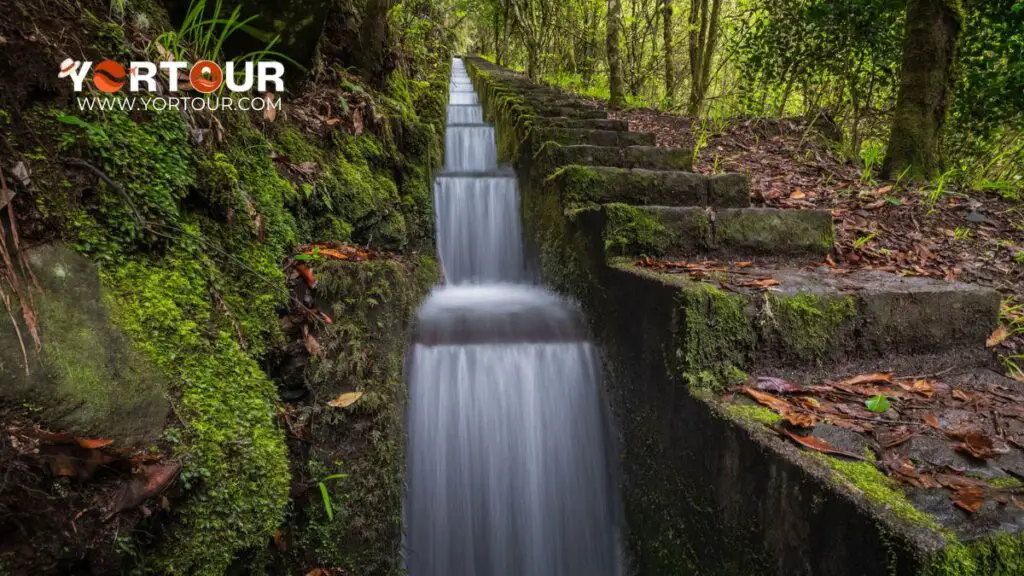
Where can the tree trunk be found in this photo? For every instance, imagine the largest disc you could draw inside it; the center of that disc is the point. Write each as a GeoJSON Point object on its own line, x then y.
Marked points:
{"type": "Point", "coordinates": [531, 61]}
{"type": "Point", "coordinates": [670, 80]}
{"type": "Point", "coordinates": [929, 50]}
{"type": "Point", "coordinates": [703, 39]}
{"type": "Point", "coordinates": [506, 17]}
{"type": "Point", "coordinates": [615, 98]}
{"type": "Point", "coordinates": [497, 38]}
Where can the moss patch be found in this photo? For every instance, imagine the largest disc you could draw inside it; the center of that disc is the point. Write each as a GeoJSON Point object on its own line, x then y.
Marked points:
{"type": "Point", "coordinates": [629, 229]}
{"type": "Point", "coordinates": [867, 479]}
{"type": "Point", "coordinates": [577, 185]}
{"type": "Point", "coordinates": [235, 465]}
{"type": "Point", "coordinates": [752, 414]}
{"type": "Point", "coordinates": [373, 303]}
{"type": "Point", "coordinates": [1001, 554]}
{"type": "Point", "coordinates": [804, 327]}
{"type": "Point", "coordinates": [714, 338]}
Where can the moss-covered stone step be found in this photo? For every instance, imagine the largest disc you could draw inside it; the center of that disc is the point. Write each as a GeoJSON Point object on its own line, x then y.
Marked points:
{"type": "Point", "coordinates": [649, 157]}
{"type": "Point", "coordinates": [578, 136]}
{"type": "Point", "coordinates": [569, 112]}
{"type": "Point", "coordinates": [818, 316]}
{"type": "Point", "coordinates": [687, 231]}
{"type": "Point", "coordinates": [708, 474]}
{"type": "Point", "coordinates": [579, 185]}
{"type": "Point", "coordinates": [587, 123]}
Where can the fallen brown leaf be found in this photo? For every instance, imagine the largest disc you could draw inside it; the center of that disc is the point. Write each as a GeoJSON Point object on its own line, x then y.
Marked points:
{"type": "Point", "coordinates": [922, 387]}
{"type": "Point", "coordinates": [978, 445]}
{"type": "Point", "coordinates": [777, 385]}
{"type": "Point", "coordinates": [818, 444]}
{"type": "Point", "coordinates": [868, 379]}
{"type": "Point", "coordinates": [997, 337]}
{"type": "Point", "coordinates": [345, 400]}
{"type": "Point", "coordinates": [269, 112]}
{"type": "Point", "coordinates": [93, 443]}
{"type": "Point", "coordinates": [773, 402]}
{"type": "Point", "coordinates": [969, 498]}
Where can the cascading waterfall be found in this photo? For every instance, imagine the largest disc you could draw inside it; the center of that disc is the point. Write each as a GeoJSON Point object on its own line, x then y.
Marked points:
{"type": "Point", "coordinates": [509, 465]}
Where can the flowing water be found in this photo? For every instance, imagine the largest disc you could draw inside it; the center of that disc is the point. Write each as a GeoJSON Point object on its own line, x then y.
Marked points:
{"type": "Point", "coordinates": [509, 462]}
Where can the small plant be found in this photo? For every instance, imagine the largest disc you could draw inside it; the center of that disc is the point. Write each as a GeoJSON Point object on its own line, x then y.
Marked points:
{"type": "Point", "coordinates": [312, 256]}
{"type": "Point", "coordinates": [703, 137]}
{"type": "Point", "coordinates": [877, 404]}
{"type": "Point", "coordinates": [901, 176]}
{"type": "Point", "coordinates": [860, 242]}
{"type": "Point", "coordinates": [325, 495]}
{"type": "Point", "coordinates": [961, 234]}
{"type": "Point", "coordinates": [938, 188]}
{"type": "Point", "coordinates": [204, 36]}
{"type": "Point", "coordinates": [872, 156]}
{"type": "Point", "coordinates": [117, 8]}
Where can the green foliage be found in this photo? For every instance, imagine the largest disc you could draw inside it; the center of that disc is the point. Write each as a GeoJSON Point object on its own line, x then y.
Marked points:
{"type": "Point", "coordinates": [206, 29]}
{"type": "Point", "coordinates": [842, 56]}
{"type": "Point", "coordinates": [985, 139]}
{"type": "Point", "coordinates": [325, 497]}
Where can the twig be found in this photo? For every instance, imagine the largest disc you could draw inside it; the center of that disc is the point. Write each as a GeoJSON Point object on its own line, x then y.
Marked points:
{"type": "Point", "coordinates": [117, 187]}
{"type": "Point", "coordinates": [17, 329]}
{"type": "Point", "coordinates": [925, 376]}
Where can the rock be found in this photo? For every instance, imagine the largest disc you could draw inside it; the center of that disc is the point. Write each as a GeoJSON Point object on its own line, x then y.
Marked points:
{"type": "Point", "coordinates": [87, 375]}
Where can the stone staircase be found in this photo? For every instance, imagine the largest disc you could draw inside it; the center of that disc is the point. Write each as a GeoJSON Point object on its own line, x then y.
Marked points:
{"type": "Point", "coordinates": [691, 291]}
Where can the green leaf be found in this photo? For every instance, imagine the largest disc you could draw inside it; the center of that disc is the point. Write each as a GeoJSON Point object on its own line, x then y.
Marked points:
{"type": "Point", "coordinates": [877, 404]}
{"type": "Point", "coordinates": [327, 501]}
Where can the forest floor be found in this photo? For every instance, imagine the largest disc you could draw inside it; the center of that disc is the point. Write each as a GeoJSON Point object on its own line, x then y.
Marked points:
{"type": "Point", "coordinates": [929, 230]}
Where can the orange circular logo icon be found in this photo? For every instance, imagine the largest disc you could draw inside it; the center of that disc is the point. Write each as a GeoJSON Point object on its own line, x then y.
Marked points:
{"type": "Point", "coordinates": [206, 76]}
{"type": "Point", "coordinates": [109, 76]}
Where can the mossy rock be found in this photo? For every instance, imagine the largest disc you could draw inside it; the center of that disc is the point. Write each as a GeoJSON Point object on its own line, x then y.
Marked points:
{"type": "Point", "coordinates": [805, 327]}
{"type": "Point", "coordinates": [714, 338]}
{"type": "Point", "coordinates": [87, 372]}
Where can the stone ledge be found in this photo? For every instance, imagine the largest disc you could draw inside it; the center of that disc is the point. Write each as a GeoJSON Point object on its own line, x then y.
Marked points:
{"type": "Point", "coordinates": [585, 136]}
{"type": "Point", "coordinates": [649, 157]}
{"type": "Point", "coordinates": [601, 184]}
{"type": "Point", "coordinates": [726, 233]}
{"type": "Point", "coordinates": [819, 316]}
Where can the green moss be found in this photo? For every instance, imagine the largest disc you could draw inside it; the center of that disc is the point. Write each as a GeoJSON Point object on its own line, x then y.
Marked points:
{"type": "Point", "coordinates": [714, 338]}
{"type": "Point", "coordinates": [804, 327]}
{"type": "Point", "coordinates": [1006, 483]}
{"type": "Point", "coordinates": [235, 465]}
{"type": "Point", "coordinates": [150, 161]}
{"type": "Point", "coordinates": [753, 414]}
{"type": "Point", "coordinates": [373, 303]}
{"type": "Point", "coordinates": [776, 232]}
{"type": "Point", "coordinates": [577, 185]}
{"type": "Point", "coordinates": [1001, 554]}
{"type": "Point", "coordinates": [867, 479]}
{"type": "Point", "coordinates": [629, 229]}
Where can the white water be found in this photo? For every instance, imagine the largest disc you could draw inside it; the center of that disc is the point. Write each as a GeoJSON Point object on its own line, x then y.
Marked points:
{"type": "Point", "coordinates": [509, 467]}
